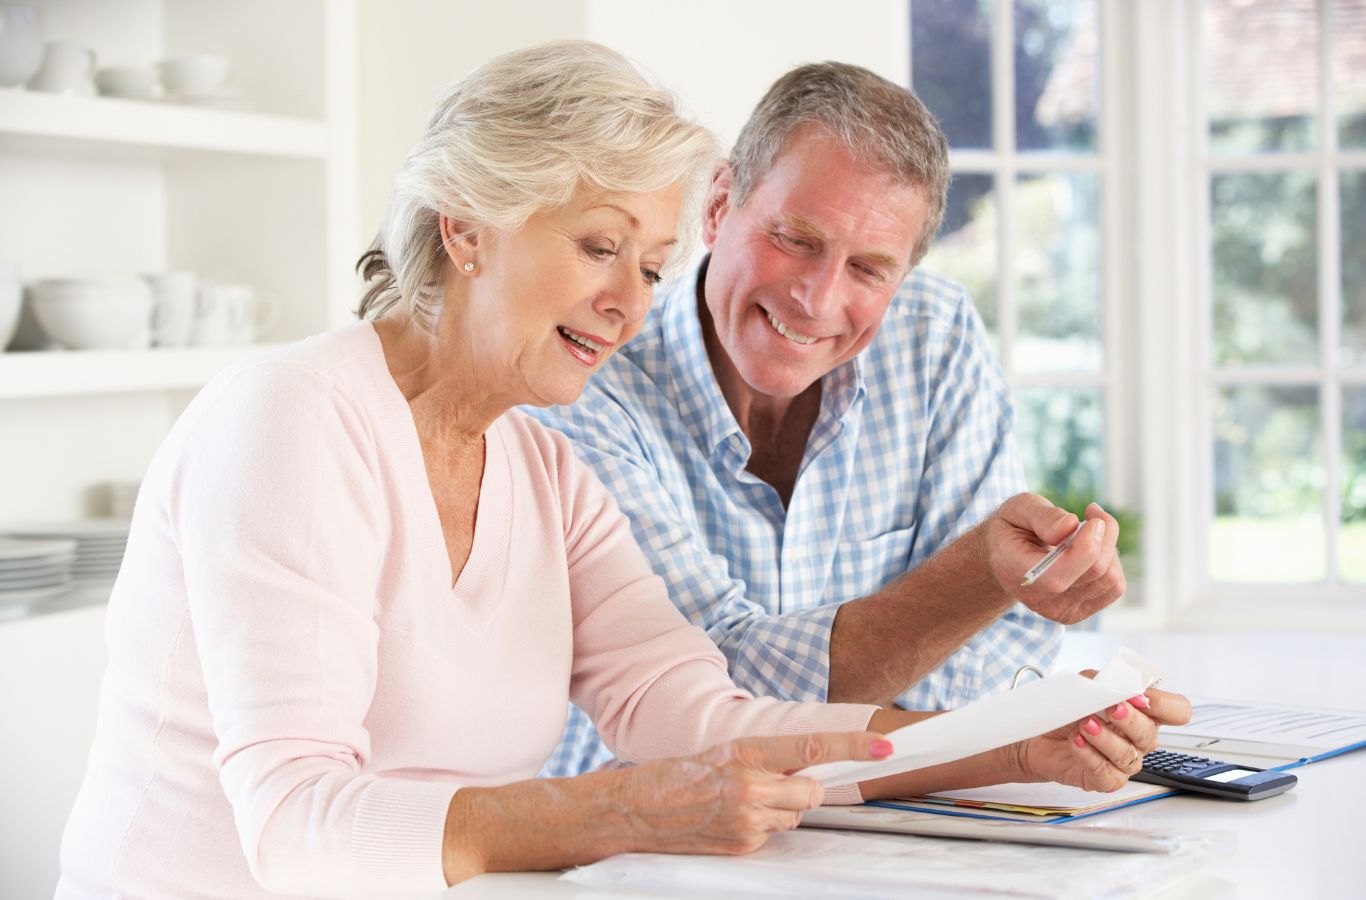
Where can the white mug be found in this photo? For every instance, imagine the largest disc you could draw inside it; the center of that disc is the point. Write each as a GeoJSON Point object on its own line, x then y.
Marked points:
{"type": "Point", "coordinates": [67, 69]}
{"type": "Point", "coordinates": [231, 314]}
{"type": "Point", "coordinates": [177, 301]}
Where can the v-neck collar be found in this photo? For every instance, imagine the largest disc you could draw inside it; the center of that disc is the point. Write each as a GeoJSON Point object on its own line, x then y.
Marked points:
{"type": "Point", "coordinates": [479, 585]}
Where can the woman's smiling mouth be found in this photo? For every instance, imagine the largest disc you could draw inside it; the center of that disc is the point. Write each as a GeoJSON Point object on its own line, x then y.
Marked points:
{"type": "Point", "coordinates": [586, 348]}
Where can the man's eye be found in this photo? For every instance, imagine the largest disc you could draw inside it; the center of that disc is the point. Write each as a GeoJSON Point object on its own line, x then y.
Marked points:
{"type": "Point", "coordinates": [794, 242]}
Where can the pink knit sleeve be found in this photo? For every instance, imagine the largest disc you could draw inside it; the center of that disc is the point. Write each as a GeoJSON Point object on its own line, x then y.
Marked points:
{"type": "Point", "coordinates": [275, 511]}
{"type": "Point", "coordinates": [655, 685]}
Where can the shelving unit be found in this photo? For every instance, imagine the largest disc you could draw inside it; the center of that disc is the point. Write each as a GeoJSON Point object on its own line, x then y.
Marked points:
{"type": "Point", "coordinates": [96, 186]}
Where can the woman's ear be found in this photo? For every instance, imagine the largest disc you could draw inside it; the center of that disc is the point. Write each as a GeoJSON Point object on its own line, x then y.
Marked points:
{"type": "Point", "coordinates": [461, 243]}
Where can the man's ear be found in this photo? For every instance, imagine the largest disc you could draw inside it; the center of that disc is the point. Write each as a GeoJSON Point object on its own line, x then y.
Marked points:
{"type": "Point", "coordinates": [461, 244]}
{"type": "Point", "coordinates": [718, 204]}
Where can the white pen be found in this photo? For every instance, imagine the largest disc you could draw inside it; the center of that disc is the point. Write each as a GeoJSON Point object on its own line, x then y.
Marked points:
{"type": "Point", "coordinates": [1043, 565]}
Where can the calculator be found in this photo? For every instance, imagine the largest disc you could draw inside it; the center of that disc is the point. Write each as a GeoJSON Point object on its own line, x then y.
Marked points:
{"type": "Point", "coordinates": [1211, 776]}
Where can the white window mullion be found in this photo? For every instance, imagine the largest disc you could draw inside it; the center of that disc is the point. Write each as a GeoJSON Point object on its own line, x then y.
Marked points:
{"type": "Point", "coordinates": [1196, 569]}
{"type": "Point", "coordinates": [1116, 437]}
{"type": "Point", "coordinates": [1003, 144]}
{"type": "Point", "coordinates": [1330, 295]}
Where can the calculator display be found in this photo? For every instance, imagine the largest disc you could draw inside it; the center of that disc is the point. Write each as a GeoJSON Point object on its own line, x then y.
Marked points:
{"type": "Point", "coordinates": [1230, 775]}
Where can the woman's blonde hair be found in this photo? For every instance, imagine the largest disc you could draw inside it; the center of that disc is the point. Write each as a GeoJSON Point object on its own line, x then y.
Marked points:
{"type": "Point", "coordinates": [518, 137]}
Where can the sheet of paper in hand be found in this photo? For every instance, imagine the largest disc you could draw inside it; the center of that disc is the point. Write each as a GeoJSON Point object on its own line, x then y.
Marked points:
{"type": "Point", "coordinates": [1028, 711]}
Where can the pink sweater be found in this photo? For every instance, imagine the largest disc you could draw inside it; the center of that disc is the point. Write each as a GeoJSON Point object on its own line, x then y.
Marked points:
{"type": "Point", "coordinates": [295, 691]}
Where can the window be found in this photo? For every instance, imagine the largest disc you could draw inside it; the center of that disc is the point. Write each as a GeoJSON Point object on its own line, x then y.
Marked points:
{"type": "Point", "coordinates": [1281, 108]}
{"type": "Point", "coordinates": [1018, 89]}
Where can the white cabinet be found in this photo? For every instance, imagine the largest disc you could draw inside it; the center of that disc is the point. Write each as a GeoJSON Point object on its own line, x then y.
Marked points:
{"type": "Point", "coordinates": [93, 186]}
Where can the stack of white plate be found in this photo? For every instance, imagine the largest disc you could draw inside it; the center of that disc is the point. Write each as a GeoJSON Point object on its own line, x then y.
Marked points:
{"type": "Point", "coordinates": [99, 545]}
{"type": "Point", "coordinates": [32, 571]}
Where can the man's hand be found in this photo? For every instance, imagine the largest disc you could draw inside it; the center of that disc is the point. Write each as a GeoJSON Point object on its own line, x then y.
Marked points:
{"type": "Point", "coordinates": [1085, 579]}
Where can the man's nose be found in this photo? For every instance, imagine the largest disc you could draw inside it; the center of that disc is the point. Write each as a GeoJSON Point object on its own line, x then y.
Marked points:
{"type": "Point", "coordinates": [815, 290]}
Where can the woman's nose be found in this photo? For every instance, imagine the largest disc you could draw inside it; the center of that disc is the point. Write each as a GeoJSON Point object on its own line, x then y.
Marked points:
{"type": "Point", "coordinates": [628, 296]}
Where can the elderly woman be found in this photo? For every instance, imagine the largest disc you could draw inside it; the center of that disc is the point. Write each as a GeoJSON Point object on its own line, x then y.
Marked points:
{"type": "Point", "coordinates": [359, 588]}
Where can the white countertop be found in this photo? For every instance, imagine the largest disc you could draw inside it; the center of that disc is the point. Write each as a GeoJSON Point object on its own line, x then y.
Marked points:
{"type": "Point", "coordinates": [1304, 843]}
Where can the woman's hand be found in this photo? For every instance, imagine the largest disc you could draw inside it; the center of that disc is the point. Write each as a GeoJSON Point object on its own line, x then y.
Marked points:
{"type": "Point", "coordinates": [1100, 752]}
{"type": "Point", "coordinates": [728, 799]}
{"type": "Point", "coordinates": [1097, 753]}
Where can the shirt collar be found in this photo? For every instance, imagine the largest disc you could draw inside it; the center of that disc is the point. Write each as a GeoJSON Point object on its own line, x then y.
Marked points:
{"type": "Point", "coordinates": [697, 394]}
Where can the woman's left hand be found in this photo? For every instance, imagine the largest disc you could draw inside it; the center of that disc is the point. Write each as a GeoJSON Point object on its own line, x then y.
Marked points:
{"type": "Point", "coordinates": [1101, 752]}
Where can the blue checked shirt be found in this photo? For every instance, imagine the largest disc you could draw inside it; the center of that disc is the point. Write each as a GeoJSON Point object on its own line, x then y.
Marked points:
{"type": "Point", "coordinates": [913, 445]}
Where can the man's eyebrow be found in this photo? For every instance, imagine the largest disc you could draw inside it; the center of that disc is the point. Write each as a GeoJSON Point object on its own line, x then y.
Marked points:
{"type": "Point", "coordinates": [810, 229]}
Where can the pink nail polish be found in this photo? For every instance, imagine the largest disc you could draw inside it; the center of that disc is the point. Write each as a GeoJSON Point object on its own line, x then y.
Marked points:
{"type": "Point", "coordinates": [1120, 712]}
{"type": "Point", "coordinates": [1092, 726]}
{"type": "Point", "coordinates": [1079, 741]}
{"type": "Point", "coordinates": [1141, 701]}
{"type": "Point", "coordinates": [880, 748]}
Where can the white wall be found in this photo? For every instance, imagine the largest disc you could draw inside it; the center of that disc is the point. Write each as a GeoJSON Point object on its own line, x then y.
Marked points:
{"type": "Point", "coordinates": [719, 56]}
{"type": "Point", "coordinates": [409, 50]}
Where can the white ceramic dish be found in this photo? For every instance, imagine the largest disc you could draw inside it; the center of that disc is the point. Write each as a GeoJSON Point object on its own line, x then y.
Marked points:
{"type": "Point", "coordinates": [14, 549]}
{"type": "Point", "coordinates": [94, 527]}
{"type": "Point", "coordinates": [128, 82]}
{"type": "Point", "coordinates": [203, 73]}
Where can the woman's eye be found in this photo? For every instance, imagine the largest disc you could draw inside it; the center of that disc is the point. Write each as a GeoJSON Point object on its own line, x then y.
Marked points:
{"type": "Point", "coordinates": [598, 251]}
{"type": "Point", "coordinates": [653, 279]}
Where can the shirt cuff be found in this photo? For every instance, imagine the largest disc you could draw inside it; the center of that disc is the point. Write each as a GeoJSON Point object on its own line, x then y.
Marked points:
{"type": "Point", "coordinates": [812, 717]}
{"type": "Point", "coordinates": [398, 835]}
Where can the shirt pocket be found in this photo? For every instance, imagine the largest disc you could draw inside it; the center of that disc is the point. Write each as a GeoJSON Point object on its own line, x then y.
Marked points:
{"type": "Point", "coordinates": [865, 566]}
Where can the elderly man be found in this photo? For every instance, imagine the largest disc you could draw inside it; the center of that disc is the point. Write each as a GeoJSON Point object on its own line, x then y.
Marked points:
{"type": "Point", "coordinates": [812, 440]}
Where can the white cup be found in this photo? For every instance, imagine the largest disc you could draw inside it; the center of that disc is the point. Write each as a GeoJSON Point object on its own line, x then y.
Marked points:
{"type": "Point", "coordinates": [230, 314]}
{"type": "Point", "coordinates": [174, 314]}
{"type": "Point", "coordinates": [21, 43]}
{"type": "Point", "coordinates": [67, 69]}
{"type": "Point", "coordinates": [11, 301]}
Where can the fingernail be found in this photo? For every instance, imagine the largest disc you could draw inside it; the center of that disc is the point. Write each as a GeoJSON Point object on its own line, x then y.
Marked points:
{"type": "Point", "coordinates": [1079, 741]}
{"type": "Point", "coordinates": [1141, 701]}
{"type": "Point", "coordinates": [880, 748]}
{"type": "Point", "coordinates": [1092, 726]}
{"type": "Point", "coordinates": [1120, 712]}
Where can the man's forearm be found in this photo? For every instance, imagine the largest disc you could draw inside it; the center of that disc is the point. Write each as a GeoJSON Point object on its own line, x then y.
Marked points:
{"type": "Point", "coordinates": [881, 644]}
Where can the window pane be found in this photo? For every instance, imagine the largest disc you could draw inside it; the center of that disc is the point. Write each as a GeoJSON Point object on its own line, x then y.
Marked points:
{"type": "Point", "coordinates": [1349, 64]}
{"type": "Point", "coordinates": [1060, 432]}
{"type": "Point", "coordinates": [965, 249]}
{"type": "Point", "coordinates": [1268, 486]}
{"type": "Point", "coordinates": [951, 67]}
{"type": "Point", "coordinates": [1265, 269]}
{"type": "Point", "coordinates": [1056, 80]}
{"type": "Point", "coordinates": [1262, 74]}
{"type": "Point", "coordinates": [1352, 540]}
{"type": "Point", "coordinates": [1057, 267]}
{"type": "Point", "coordinates": [1353, 206]}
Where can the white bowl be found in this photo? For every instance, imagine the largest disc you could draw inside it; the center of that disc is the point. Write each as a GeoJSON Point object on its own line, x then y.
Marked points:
{"type": "Point", "coordinates": [200, 74]}
{"type": "Point", "coordinates": [11, 302]}
{"type": "Point", "coordinates": [133, 82]}
{"type": "Point", "coordinates": [93, 315]}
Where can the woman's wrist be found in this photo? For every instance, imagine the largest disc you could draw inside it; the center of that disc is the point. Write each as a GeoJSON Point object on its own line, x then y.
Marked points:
{"type": "Point", "coordinates": [550, 823]}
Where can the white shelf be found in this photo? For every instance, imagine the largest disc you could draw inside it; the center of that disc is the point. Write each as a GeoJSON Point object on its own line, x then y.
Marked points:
{"type": "Point", "coordinates": [74, 373]}
{"type": "Point", "coordinates": [32, 120]}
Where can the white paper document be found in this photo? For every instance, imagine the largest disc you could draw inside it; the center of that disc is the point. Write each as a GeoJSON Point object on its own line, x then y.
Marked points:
{"type": "Point", "coordinates": [1283, 734]}
{"type": "Point", "coordinates": [1026, 712]}
{"type": "Point", "coordinates": [825, 864]}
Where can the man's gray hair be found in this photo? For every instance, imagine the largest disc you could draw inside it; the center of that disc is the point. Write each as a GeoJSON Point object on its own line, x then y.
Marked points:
{"type": "Point", "coordinates": [879, 122]}
{"type": "Point", "coordinates": [519, 137]}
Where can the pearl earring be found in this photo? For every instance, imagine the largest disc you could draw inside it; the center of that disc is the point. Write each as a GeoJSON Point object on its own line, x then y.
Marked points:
{"type": "Point", "coordinates": [468, 267]}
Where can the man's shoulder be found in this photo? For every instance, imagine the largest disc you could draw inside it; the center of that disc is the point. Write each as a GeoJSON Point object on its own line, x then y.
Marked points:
{"type": "Point", "coordinates": [925, 294]}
